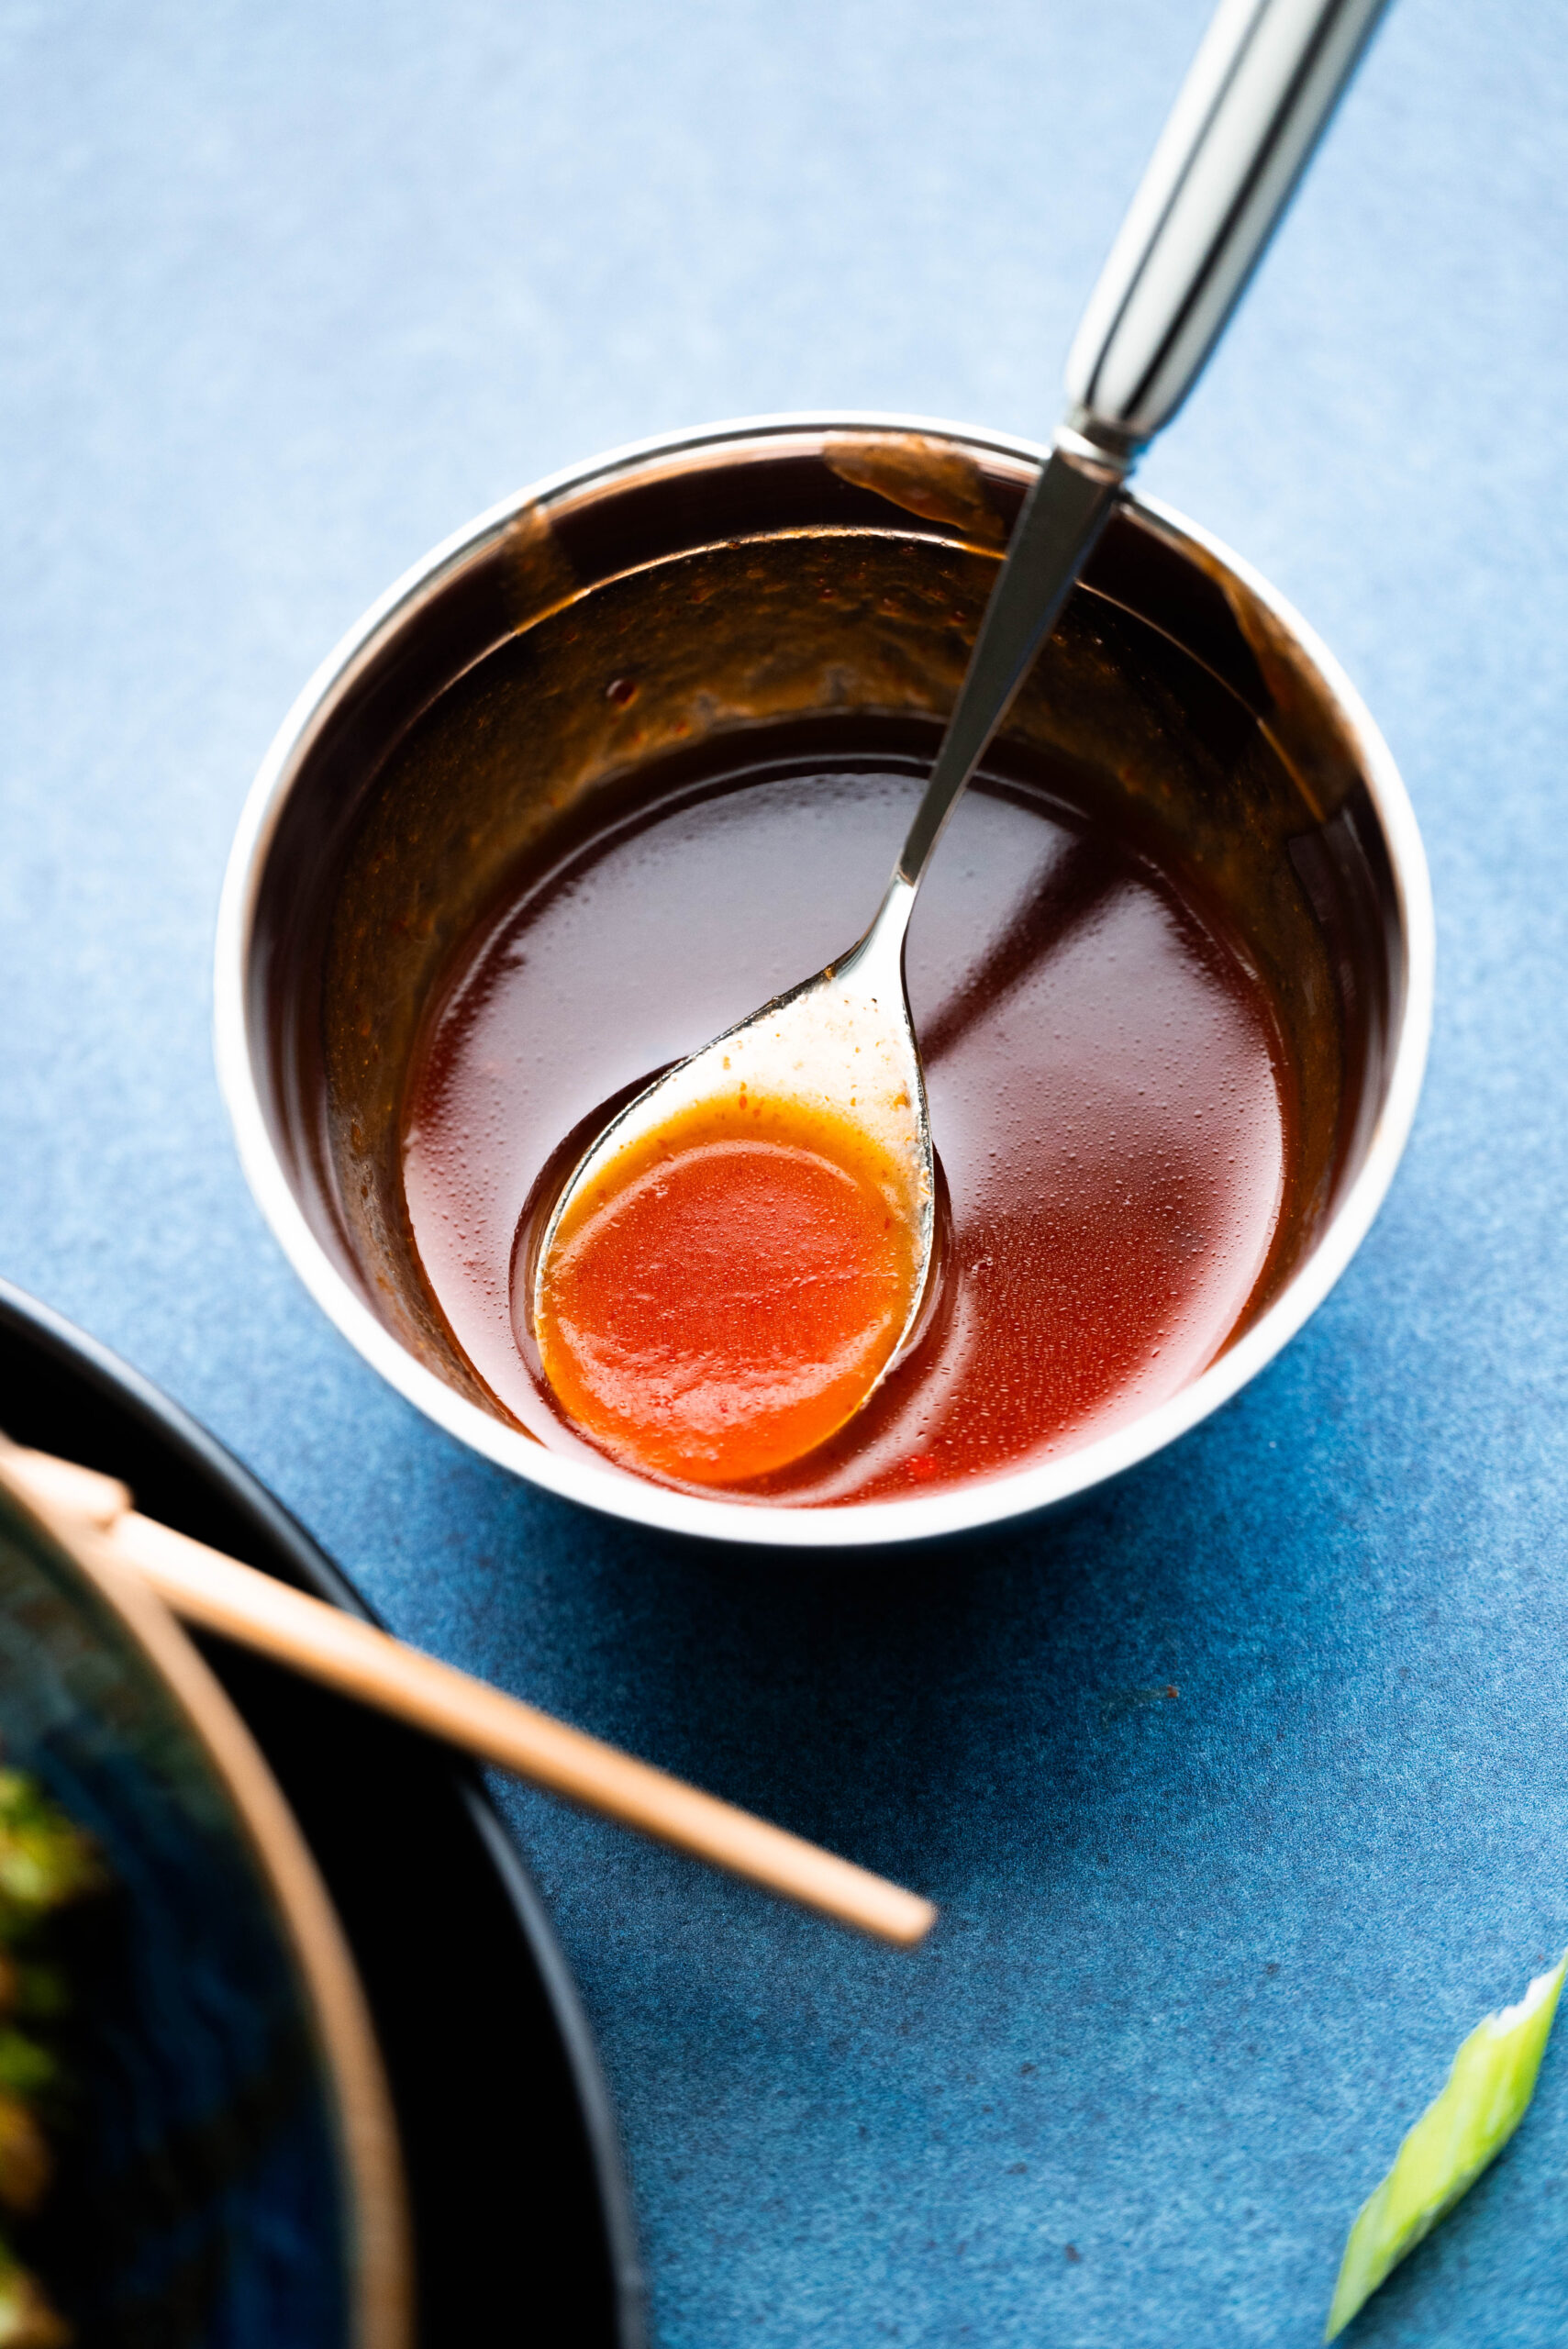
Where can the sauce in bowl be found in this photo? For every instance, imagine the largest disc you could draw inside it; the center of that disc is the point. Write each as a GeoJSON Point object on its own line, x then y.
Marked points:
{"type": "Point", "coordinates": [1112, 1106]}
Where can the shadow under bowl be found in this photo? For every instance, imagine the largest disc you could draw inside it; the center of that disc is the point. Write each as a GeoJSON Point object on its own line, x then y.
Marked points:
{"type": "Point", "coordinates": [767, 573]}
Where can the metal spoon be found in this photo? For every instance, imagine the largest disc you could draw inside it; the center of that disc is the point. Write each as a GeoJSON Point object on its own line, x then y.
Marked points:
{"type": "Point", "coordinates": [1256, 100]}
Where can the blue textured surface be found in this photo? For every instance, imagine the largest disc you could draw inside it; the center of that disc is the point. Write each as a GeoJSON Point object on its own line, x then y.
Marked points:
{"type": "Point", "coordinates": [293, 291]}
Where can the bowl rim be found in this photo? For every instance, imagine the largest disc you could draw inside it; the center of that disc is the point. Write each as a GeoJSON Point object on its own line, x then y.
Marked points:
{"type": "Point", "coordinates": [984, 1501]}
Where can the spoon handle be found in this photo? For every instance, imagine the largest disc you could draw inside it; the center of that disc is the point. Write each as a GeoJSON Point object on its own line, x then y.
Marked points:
{"type": "Point", "coordinates": [1256, 100]}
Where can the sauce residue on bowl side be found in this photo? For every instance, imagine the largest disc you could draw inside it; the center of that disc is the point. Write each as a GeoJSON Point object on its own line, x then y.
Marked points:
{"type": "Point", "coordinates": [1109, 1096]}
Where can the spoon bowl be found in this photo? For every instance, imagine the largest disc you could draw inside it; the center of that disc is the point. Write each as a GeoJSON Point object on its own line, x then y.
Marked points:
{"type": "Point", "coordinates": [830, 1069]}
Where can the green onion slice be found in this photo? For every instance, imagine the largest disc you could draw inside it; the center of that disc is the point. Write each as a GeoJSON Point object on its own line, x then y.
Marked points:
{"type": "Point", "coordinates": [1482, 2101]}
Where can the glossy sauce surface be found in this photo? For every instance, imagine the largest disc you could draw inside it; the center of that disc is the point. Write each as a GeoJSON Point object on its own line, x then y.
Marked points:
{"type": "Point", "coordinates": [1107, 1095]}
{"type": "Point", "coordinates": [728, 1293]}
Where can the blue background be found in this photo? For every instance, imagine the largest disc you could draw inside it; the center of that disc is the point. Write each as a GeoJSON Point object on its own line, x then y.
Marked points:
{"type": "Point", "coordinates": [289, 293]}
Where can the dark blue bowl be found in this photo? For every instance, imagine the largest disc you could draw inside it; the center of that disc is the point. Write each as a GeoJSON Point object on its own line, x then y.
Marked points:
{"type": "Point", "coordinates": [202, 2195]}
{"type": "Point", "coordinates": [520, 2220]}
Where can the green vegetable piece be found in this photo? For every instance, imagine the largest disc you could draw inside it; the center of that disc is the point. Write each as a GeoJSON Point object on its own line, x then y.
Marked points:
{"type": "Point", "coordinates": [1485, 2097]}
{"type": "Point", "coordinates": [44, 1859]}
{"type": "Point", "coordinates": [25, 2068]}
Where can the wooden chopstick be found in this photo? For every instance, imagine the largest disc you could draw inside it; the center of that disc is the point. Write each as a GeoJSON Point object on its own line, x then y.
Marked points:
{"type": "Point", "coordinates": [204, 1587]}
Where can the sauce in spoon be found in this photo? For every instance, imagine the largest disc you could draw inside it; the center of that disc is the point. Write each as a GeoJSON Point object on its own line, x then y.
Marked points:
{"type": "Point", "coordinates": [720, 1301]}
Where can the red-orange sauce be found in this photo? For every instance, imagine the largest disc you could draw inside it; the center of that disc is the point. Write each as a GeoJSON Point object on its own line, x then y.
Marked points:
{"type": "Point", "coordinates": [1108, 1098]}
{"type": "Point", "coordinates": [722, 1302]}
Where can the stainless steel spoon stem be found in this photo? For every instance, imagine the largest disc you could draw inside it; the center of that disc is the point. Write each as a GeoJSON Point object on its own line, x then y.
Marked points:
{"type": "Point", "coordinates": [1062, 516]}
